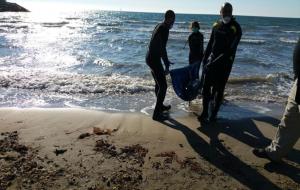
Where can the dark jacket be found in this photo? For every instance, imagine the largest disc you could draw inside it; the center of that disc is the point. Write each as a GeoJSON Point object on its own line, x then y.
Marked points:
{"type": "Point", "coordinates": [157, 46]}
{"type": "Point", "coordinates": [196, 47]}
{"type": "Point", "coordinates": [296, 61]}
{"type": "Point", "coordinates": [224, 39]}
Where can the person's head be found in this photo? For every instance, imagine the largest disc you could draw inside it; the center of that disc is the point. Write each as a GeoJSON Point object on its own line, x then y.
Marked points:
{"type": "Point", "coordinates": [169, 18]}
{"type": "Point", "coordinates": [195, 26]}
{"type": "Point", "coordinates": [226, 12]}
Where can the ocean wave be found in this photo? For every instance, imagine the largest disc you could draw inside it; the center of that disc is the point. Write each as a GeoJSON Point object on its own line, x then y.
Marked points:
{"type": "Point", "coordinates": [122, 41]}
{"type": "Point", "coordinates": [271, 78]}
{"type": "Point", "coordinates": [292, 31]}
{"type": "Point", "coordinates": [103, 62]}
{"type": "Point", "coordinates": [10, 21]}
{"type": "Point", "coordinates": [289, 41]}
{"type": "Point", "coordinates": [142, 22]}
{"type": "Point", "coordinates": [76, 84]}
{"type": "Point", "coordinates": [13, 26]}
{"type": "Point", "coordinates": [114, 29]}
{"type": "Point", "coordinates": [8, 46]}
{"type": "Point", "coordinates": [180, 31]}
{"type": "Point", "coordinates": [267, 98]}
{"type": "Point", "coordinates": [54, 24]}
{"type": "Point", "coordinates": [109, 24]}
{"type": "Point", "coordinates": [253, 41]}
{"type": "Point", "coordinates": [72, 18]}
{"type": "Point", "coordinates": [269, 26]}
{"type": "Point", "coordinates": [3, 31]}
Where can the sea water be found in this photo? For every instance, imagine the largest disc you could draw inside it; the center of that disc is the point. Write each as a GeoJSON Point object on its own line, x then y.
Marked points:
{"type": "Point", "coordinates": [96, 59]}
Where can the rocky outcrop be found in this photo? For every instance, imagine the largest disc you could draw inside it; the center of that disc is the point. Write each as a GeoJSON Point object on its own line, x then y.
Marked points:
{"type": "Point", "coordinates": [11, 7]}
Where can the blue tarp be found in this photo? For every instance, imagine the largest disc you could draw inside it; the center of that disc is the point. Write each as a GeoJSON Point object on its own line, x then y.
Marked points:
{"type": "Point", "coordinates": [186, 81]}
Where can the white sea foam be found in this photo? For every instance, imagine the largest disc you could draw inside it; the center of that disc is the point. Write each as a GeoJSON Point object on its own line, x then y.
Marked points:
{"type": "Point", "coordinates": [75, 84]}
{"type": "Point", "coordinates": [253, 41]}
{"type": "Point", "coordinates": [288, 40]}
{"type": "Point", "coordinates": [292, 31]}
{"type": "Point", "coordinates": [271, 78]}
{"type": "Point", "coordinates": [103, 62]}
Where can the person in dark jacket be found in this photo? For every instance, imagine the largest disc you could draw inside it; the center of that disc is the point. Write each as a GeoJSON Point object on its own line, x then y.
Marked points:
{"type": "Point", "coordinates": [196, 44]}
{"type": "Point", "coordinates": [288, 131]}
{"type": "Point", "coordinates": [218, 60]}
{"type": "Point", "coordinates": [156, 52]}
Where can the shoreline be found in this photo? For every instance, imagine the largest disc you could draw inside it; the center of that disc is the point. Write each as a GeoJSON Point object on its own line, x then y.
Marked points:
{"type": "Point", "coordinates": [86, 149]}
{"type": "Point", "coordinates": [231, 109]}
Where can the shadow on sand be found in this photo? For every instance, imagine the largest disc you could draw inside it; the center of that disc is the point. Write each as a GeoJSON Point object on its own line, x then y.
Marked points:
{"type": "Point", "coordinates": [217, 154]}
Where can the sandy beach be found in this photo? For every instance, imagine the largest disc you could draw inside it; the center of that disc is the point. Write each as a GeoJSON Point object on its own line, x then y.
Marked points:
{"type": "Point", "coordinates": [85, 149]}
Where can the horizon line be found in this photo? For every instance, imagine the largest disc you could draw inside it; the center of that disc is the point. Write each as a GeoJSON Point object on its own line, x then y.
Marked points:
{"type": "Point", "coordinates": [202, 14]}
{"type": "Point", "coordinates": [161, 12]}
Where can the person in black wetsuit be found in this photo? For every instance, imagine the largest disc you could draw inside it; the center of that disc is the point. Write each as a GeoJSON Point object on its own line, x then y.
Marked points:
{"type": "Point", "coordinates": [156, 52]}
{"type": "Point", "coordinates": [218, 60]}
{"type": "Point", "coordinates": [196, 44]}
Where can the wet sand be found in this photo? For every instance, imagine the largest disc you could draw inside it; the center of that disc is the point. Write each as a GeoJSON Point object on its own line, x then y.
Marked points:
{"type": "Point", "coordinates": [84, 149]}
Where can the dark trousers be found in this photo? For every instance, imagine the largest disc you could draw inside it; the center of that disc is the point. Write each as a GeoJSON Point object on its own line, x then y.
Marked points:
{"type": "Point", "coordinates": [193, 58]}
{"type": "Point", "coordinates": [159, 77]}
{"type": "Point", "coordinates": [214, 86]}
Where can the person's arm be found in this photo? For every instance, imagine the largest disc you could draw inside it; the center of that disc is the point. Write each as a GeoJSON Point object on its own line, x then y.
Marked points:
{"type": "Point", "coordinates": [164, 41]}
{"type": "Point", "coordinates": [236, 41]}
{"type": "Point", "coordinates": [190, 42]}
{"type": "Point", "coordinates": [296, 60]}
{"type": "Point", "coordinates": [297, 98]}
{"type": "Point", "coordinates": [201, 44]}
{"type": "Point", "coordinates": [208, 48]}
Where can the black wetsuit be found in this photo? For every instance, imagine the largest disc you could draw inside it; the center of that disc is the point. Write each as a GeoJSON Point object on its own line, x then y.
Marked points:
{"type": "Point", "coordinates": [224, 40]}
{"type": "Point", "coordinates": [297, 69]}
{"type": "Point", "coordinates": [196, 47]}
{"type": "Point", "coordinates": [156, 52]}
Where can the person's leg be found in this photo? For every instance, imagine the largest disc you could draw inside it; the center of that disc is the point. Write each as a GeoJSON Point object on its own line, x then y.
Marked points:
{"type": "Point", "coordinates": [164, 107]}
{"type": "Point", "coordinates": [219, 88]}
{"type": "Point", "coordinates": [218, 99]}
{"type": "Point", "coordinates": [288, 131]}
{"type": "Point", "coordinates": [206, 97]}
{"type": "Point", "coordinates": [157, 72]}
{"type": "Point", "coordinates": [161, 82]}
{"type": "Point", "coordinates": [156, 84]}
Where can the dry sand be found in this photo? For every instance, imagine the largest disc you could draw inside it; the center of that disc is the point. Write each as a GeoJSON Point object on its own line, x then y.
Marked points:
{"type": "Point", "coordinates": [84, 149]}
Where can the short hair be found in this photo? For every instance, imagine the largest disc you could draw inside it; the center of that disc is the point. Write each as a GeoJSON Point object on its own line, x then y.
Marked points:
{"type": "Point", "coordinates": [195, 24]}
{"type": "Point", "coordinates": [227, 5]}
{"type": "Point", "coordinates": [169, 14]}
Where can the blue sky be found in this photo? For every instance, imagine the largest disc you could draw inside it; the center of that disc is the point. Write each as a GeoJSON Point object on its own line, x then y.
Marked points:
{"type": "Point", "coordinates": [279, 8]}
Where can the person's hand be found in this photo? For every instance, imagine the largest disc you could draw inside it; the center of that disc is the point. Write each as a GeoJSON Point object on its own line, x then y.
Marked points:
{"type": "Point", "coordinates": [167, 71]}
{"type": "Point", "coordinates": [206, 68]}
{"type": "Point", "coordinates": [211, 58]}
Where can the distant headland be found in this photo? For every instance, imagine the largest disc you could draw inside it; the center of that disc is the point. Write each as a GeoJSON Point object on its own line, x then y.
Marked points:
{"type": "Point", "coordinates": [11, 7]}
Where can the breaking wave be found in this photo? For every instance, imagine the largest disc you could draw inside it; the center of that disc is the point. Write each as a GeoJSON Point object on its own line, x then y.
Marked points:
{"type": "Point", "coordinates": [76, 84]}
{"type": "Point", "coordinates": [271, 78]}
